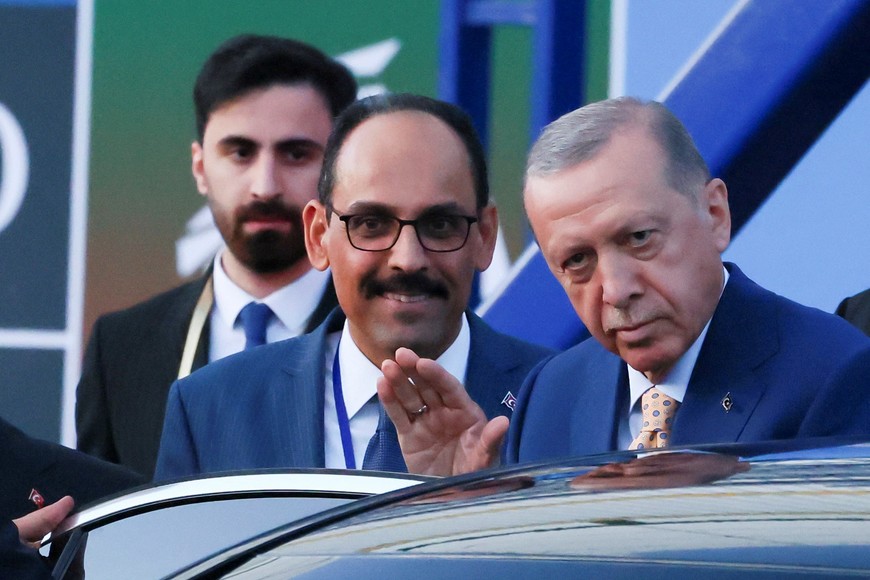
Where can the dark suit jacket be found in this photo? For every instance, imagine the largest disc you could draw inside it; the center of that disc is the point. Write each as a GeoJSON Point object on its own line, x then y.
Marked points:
{"type": "Point", "coordinates": [264, 407]}
{"type": "Point", "coordinates": [17, 560]}
{"type": "Point", "coordinates": [52, 470]}
{"type": "Point", "coordinates": [791, 371]}
{"type": "Point", "coordinates": [130, 362]}
{"type": "Point", "coordinates": [857, 310]}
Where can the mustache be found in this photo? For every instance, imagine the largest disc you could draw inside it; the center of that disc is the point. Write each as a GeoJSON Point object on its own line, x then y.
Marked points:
{"type": "Point", "coordinates": [617, 319]}
{"type": "Point", "coordinates": [272, 208]}
{"type": "Point", "coordinates": [412, 283]}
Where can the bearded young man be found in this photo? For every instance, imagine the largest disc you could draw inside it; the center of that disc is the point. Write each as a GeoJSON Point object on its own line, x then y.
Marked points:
{"type": "Point", "coordinates": [264, 110]}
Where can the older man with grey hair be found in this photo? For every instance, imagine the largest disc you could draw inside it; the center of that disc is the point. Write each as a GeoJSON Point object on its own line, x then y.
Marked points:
{"type": "Point", "coordinates": [686, 348]}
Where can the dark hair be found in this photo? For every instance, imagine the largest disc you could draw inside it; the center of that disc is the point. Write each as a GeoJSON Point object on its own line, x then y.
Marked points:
{"type": "Point", "coordinates": [579, 135]}
{"type": "Point", "coordinates": [451, 115]}
{"type": "Point", "coordinates": [249, 62]}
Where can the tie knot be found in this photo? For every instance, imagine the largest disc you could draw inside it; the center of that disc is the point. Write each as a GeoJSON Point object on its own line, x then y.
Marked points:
{"type": "Point", "coordinates": [255, 318]}
{"type": "Point", "coordinates": [658, 419]}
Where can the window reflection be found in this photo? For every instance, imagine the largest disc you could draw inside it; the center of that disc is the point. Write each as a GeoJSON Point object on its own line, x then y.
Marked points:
{"type": "Point", "coordinates": [159, 542]}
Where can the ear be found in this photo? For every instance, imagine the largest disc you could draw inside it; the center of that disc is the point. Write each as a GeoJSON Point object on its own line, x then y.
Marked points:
{"type": "Point", "coordinates": [197, 169]}
{"type": "Point", "coordinates": [316, 225]}
{"type": "Point", "coordinates": [716, 206]}
{"type": "Point", "coordinates": [487, 226]}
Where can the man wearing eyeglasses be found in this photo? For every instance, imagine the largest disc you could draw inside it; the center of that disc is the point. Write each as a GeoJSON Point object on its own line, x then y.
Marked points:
{"type": "Point", "coordinates": [403, 221]}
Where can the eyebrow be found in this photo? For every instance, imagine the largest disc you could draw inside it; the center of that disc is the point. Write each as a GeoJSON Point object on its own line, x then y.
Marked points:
{"type": "Point", "coordinates": [235, 141]}
{"type": "Point", "coordinates": [297, 142]}
{"type": "Point", "coordinates": [642, 221]}
{"type": "Point", "coordinates": [285, 144]}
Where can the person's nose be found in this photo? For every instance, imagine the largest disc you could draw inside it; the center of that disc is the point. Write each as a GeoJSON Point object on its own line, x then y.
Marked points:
{"type": "Point", "coordinates": [266, 182]}
{"type": "Point", "coordinates": [407, 253]}
{"type": "Point", "coordinates": [619, 279]}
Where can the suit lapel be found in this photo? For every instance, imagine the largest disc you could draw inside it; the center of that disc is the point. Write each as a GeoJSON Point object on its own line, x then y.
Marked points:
{"type": "Point", "coordinates": [200, 359]}
{"type": "Point", "coordinates": [601, 386]}
{"type": "Point", "coordinates": [328, 303]}
{"type": "Point", "coordinates": [743, 334]}
{"type": "Point", "coordinates": [298, 395]}
{"type": "Point", "coordinates": [487, 366]}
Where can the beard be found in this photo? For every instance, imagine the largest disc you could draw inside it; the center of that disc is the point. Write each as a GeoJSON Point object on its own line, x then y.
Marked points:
{"type": "Point", "coordinates": [266, 251]}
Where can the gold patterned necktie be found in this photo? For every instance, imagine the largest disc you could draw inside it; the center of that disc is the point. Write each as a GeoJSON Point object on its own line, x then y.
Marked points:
{"type": "Point", "coordinates": [658, 418]}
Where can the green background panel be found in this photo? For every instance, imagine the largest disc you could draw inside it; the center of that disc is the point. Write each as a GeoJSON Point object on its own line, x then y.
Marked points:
{"type": "Point", "coordinates": [509, 128]}
{"type": "Point", "coordinates": [146, 56]}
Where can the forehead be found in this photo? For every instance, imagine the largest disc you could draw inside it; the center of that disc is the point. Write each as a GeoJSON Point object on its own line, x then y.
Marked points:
{"type": "Point", "coordinates": [408, 160]}
{"type": "Point", "coordinates": [623, 182]}
{"type": "Point", "coordinates": [275, 112]}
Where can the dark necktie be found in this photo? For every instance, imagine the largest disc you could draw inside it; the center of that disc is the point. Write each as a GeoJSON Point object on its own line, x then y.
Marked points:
{"type": "Point", "coordinates": [383, 452]}
{"type": "Point", "coordinates": [255, 318]}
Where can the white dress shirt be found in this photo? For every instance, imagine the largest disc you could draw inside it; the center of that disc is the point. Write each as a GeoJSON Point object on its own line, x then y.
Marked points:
{"type": "Point", "coordinates": [674, 385]}
{"type": "Point", "coordinates": [292, 305]}
{"type": "Point", "coordinates": [359, 378]}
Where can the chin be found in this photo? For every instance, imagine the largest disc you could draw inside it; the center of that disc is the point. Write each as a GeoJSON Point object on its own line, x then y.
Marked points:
{"type": "Point", "coordinates": [423, 346]}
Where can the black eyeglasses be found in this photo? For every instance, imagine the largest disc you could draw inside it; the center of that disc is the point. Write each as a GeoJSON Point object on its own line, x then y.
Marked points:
{"type": "Point", "coordinates": [378, 232]}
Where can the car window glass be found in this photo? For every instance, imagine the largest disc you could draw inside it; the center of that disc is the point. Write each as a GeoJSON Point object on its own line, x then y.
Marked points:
{"type": "Point", "coordinates": [159, 542]}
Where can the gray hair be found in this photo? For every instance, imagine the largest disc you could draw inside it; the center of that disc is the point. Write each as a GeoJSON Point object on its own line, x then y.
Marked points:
{"type": "Point", "coordinates": [579, 135]}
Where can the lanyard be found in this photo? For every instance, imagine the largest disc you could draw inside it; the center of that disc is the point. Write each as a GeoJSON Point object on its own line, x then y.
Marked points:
{"type": "Point", "coordinates": [197, 323]}
{"type": "Point", "coordinates": [341, 412]}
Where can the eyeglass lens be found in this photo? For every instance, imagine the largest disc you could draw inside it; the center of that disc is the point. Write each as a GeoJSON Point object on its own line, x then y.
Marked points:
{"type": "Point", "coordinates": [437, 233]}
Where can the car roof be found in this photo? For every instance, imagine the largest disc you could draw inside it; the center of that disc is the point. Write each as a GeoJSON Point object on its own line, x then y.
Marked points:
{"type": "Point", "coordinates": [731, 508]}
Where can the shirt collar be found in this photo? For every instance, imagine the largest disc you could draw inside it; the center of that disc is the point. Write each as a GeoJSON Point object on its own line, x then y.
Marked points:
{"type": "Point", "coordinates": [359, 385]}
{"type": "Point", "coordinates": [676, 382]}
{"type": "Point", "coordinates": [293, 304]}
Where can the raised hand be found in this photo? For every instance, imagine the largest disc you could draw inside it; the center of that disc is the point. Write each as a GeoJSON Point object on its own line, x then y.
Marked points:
{"type": "Point", "coordinates": [441, 430]}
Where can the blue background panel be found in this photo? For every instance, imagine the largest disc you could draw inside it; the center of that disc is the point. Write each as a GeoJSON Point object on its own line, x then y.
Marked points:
{"type": "Point", "coordinates": [36, 86]}
{"type": "Point", "coordinates": [755, 102]}
{"type": "Point", "coordinates": [29, 392]}
{"type": "Point", "coordinates": [808, 241]}
{"type": "Point", "coordinates": [762, 94]}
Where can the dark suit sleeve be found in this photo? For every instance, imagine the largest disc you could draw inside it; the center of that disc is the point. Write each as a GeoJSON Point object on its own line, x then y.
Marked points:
{"type": "Point", "coordinates": [93, 429]}
{"type": "Point", "coordinates": [17, 560]}
{"type": "Point", "coordinates": [177, 455]}
{"type": "Point", "coordinates": [32, 465]}
{"type": "Point", "coordinates": [842, 308]}
{"type": "Point", "coordinates": [87, 479]}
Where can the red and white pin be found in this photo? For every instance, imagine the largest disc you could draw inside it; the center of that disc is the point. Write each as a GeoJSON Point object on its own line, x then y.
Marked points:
{"type": "Point", "coordinates": [36, 498]}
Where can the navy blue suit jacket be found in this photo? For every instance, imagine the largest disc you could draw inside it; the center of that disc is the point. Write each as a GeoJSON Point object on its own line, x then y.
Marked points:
{"type": "Point", "coordinates": [791, 371]}
{"type": "Point", "coordinates": [264, 407]}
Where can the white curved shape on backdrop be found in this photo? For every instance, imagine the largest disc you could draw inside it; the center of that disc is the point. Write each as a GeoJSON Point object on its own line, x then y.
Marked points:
{"type": "Point", "coordinates": [14, 167]}
{"type": "Point", "coordinates": [371, 60]}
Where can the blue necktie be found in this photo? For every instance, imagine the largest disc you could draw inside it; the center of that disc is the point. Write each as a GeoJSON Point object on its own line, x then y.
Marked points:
{"type": "Point", "coordinates": [383, 452]}
{"type": "Point", "coordinates": [255, 318]}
